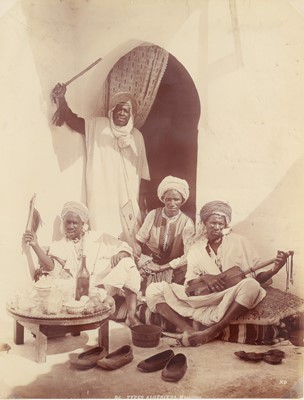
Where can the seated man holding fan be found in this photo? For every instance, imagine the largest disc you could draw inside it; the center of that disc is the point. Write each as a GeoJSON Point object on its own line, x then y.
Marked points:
{"type": "Point", "coordinates": [109, 261]}
{"type": "Point", "coordinates": [215, 250]}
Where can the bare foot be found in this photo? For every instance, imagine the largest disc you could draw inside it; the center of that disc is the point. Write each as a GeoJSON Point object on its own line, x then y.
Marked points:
{"type": "Point", "coordinates": [205, 336]}
{"type": "Point", "coordinates": [132, 321]}
{"type": "Point", "coordinates": [185, 337]}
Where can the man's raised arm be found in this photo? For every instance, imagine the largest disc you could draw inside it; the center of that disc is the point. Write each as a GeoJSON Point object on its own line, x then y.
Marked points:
{"type": "Point", "coordinates": [64, 113]}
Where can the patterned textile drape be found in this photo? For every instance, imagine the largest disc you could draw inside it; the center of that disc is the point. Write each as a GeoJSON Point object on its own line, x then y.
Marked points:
{"type": "Point", "coordinates": [139, 72]}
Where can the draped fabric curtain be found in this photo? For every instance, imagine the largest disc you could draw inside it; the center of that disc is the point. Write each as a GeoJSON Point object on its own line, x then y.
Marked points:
{"type": "Point", "coordinates": [139, 72]}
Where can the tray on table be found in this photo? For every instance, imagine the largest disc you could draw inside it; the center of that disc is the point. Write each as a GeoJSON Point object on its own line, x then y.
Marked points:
{"type": "Point", "coordinates": [60, 316]}
{"type": "Point", "coordinates": [42, 325]}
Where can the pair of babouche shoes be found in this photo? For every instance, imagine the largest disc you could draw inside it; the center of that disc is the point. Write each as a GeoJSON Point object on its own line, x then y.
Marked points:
{"type": "Point", "coordinates": [98, 356]}
{"type": "Point", "coordinates": [173, 366]}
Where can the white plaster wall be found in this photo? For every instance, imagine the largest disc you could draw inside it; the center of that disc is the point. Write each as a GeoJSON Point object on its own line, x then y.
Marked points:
{"type": "Point", "coordinates": [250, 83]}
{"type": "Point", "coordinates": [252, 136]}
{"type": "Point", "coordinates": [35, 156]}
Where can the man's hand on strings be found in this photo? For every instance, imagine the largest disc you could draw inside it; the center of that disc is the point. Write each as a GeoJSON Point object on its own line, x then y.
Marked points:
{"type": "Point", "coordinates": [280, 261]}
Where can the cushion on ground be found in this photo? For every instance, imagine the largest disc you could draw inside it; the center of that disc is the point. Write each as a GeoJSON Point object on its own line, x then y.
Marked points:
{"type": "Point", "coordinates": [238, 333]}
{"type": "Point", "coordinates": [265, 324]}
{"type": "Point", "coordinates": [275, 306]}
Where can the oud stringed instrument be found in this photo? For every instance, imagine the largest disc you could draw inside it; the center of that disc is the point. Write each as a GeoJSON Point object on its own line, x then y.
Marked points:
{"type": "Point", "coordinates": [231, 277]}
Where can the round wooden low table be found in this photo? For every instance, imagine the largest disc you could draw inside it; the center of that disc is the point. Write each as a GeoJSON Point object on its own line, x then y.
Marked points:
{"type": "Point", "coordinates": [45, 326]}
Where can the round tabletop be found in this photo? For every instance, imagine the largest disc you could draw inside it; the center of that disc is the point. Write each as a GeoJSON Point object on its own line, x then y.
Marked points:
{"type": "Point", "coordinates": [63, 318]}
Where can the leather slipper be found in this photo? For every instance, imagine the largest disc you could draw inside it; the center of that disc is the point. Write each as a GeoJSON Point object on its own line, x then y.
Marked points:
{"type": "Point", "coordinates": [88, 359]}
{"type": "Point", "coordinates": [116, 359]}
{"type": "Point", "coordinates": [175, 368]}
{"type": "Point", "coordinates": [275, 352]}
{"type": "Point", "coordinates": [272, 359]}
{"type": "Point", "coordinates": [251, 356]}
{"type": "Point", "coordinates": [156, 362]}
{"type": "Point", "coordinates": [274, 356]}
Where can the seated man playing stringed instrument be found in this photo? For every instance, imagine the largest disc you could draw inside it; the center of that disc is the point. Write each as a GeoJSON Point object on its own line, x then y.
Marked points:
{"type": "Point", "coordinates": [214, 293]}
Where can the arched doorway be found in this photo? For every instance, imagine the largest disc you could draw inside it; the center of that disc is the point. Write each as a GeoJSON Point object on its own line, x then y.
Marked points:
{"type": "Point", "coordinates": [171, 133]}
{"type": "Point", "coordinates": [170, 129]}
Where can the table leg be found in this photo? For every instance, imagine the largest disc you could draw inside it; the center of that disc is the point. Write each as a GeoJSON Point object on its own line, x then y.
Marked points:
{"type": "Point", "coordinates": [103, 335]}
{"type": "Point", "coordinates": [18, 333]}
{"type": "Point", "coordinates": [41, 346]}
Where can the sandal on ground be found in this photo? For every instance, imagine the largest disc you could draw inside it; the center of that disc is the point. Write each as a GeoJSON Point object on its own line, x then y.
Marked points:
{"type": "Point", "coordinates": [274, 356]}
{"type": "Point", "coordinates": [251, 356]}
{"type": "Point", "coordinates": [275, 352]}
{"type": "Point", "coordinates": [271, 359]}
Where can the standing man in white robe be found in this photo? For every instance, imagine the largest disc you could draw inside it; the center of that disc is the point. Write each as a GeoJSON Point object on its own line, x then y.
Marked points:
{"type": "Point", "coordinates": [116, 167]}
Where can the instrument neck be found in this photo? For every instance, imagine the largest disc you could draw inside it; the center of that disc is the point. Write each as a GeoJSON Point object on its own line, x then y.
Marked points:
{"type": "Point", "coordinates": [266, 263]}
{"type": "Point", "coordinates": [259, 266]}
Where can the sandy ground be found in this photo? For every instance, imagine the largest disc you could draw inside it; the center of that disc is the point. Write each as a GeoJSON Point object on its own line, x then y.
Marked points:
{"type": "Point", "coordinates": [213, 370]}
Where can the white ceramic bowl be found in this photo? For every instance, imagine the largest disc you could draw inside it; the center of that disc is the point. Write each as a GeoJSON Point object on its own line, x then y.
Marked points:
{"type": "Point", "coordinates": [74, 307]}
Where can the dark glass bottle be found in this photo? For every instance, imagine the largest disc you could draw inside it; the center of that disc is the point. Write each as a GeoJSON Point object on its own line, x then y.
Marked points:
{"type": "Point", "coordinates": [82, 280]}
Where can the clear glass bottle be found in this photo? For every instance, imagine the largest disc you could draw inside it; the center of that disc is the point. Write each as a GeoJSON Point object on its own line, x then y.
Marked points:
{"type": "Point", "coordinates": [82, 280]}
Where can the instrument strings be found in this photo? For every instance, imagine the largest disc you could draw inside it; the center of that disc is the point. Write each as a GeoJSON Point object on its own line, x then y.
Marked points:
{"type": "Point", "coordinates": [289, 271]}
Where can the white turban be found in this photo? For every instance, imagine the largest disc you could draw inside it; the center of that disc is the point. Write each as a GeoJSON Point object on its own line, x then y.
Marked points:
{"type": "Point", "coordinates": [78, 208]}
{"type": "Point", "coordinates": [173, 183]}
